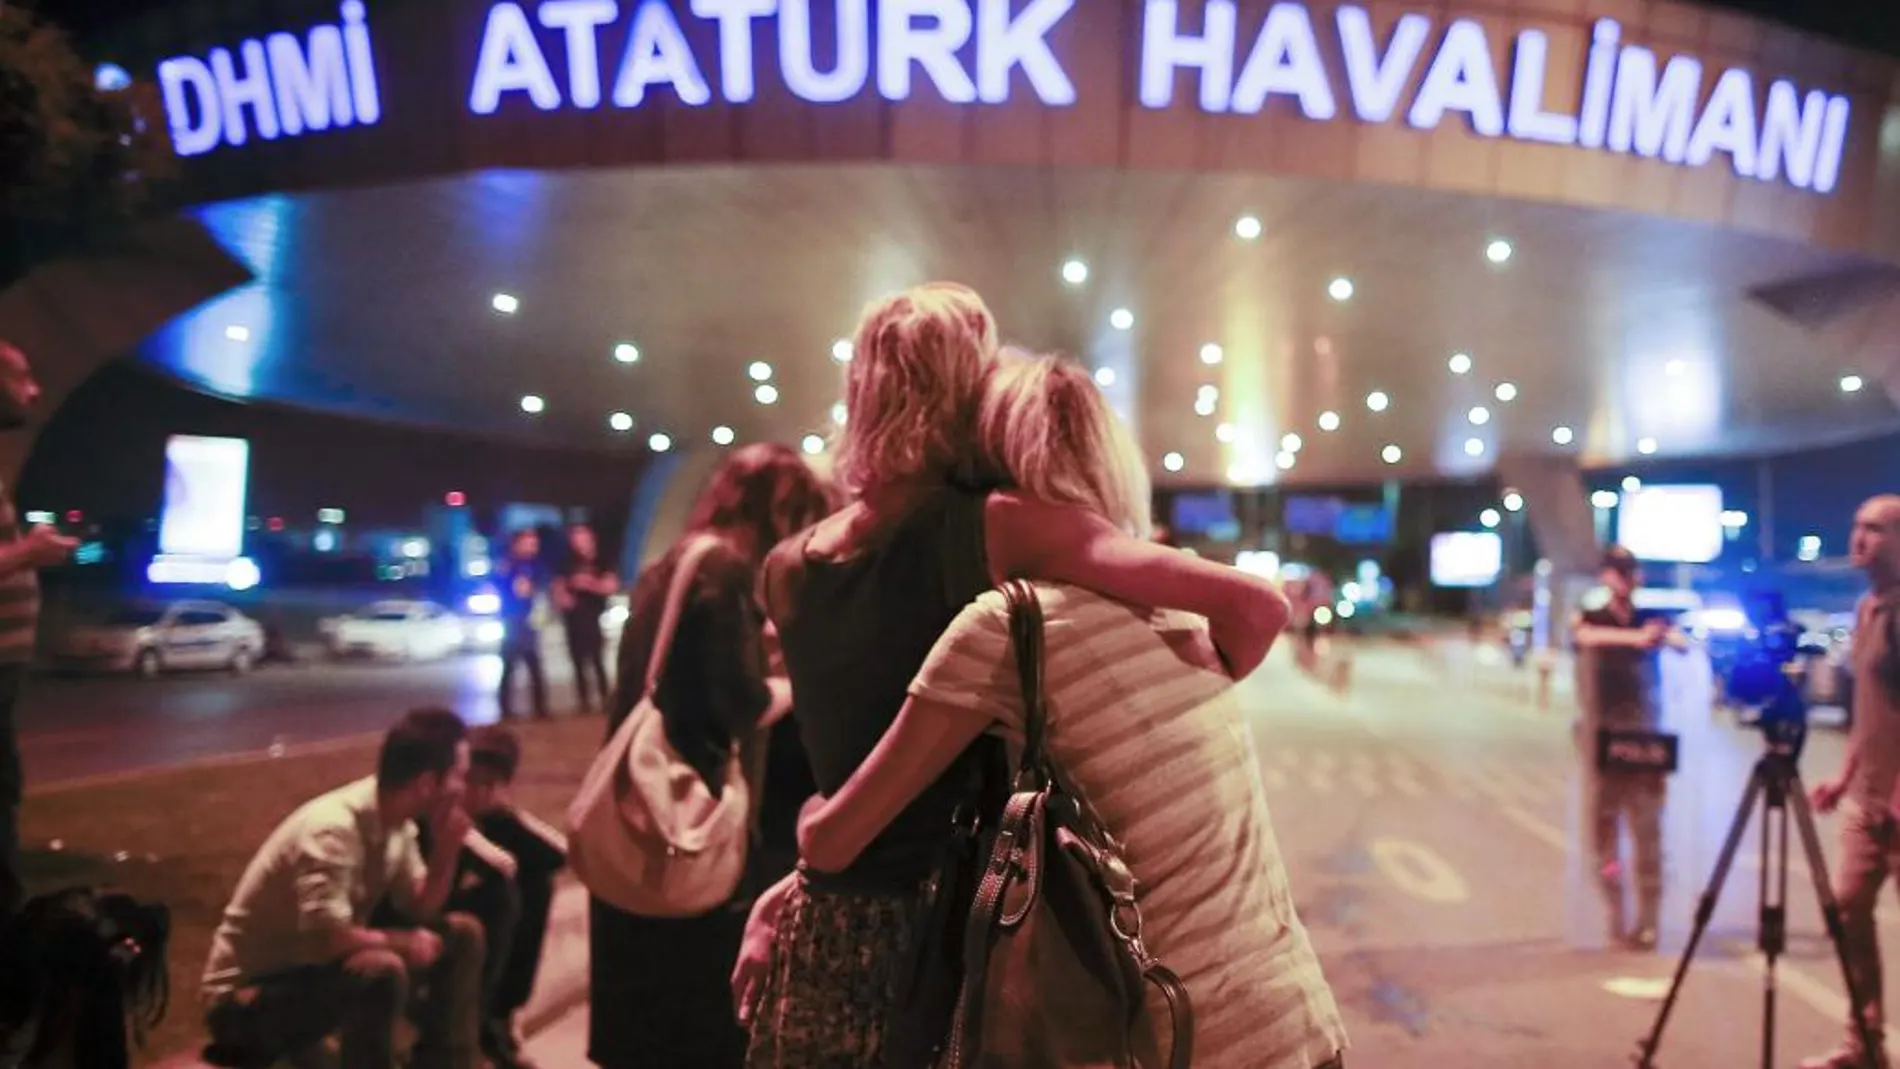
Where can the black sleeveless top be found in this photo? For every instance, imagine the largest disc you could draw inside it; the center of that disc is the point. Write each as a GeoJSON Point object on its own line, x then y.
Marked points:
{"type": "Point", "coordinates": [855, 632]}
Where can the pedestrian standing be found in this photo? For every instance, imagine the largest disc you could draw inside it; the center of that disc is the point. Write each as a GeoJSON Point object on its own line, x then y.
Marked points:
{"type": "Point", "coordinates": [581, 594]}
{"type": "Point", "coordinates": [1618, 642]}
{"type": "Point", "coordinates": [22, 554]}
{"type": "Point", "coordinates": [523, 585]}
{"type": "Point", "coordinates": [1870, 777]}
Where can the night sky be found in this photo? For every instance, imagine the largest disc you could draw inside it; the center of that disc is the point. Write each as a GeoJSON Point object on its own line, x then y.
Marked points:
{"type": "Point", "coordinates": [1871, 24]}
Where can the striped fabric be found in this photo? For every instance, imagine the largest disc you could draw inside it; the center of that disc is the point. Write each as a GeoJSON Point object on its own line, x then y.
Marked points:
{"type": "Point", "coordinates": [1159, 748]}
{"type": "Point", "coordinates": [19, 594]}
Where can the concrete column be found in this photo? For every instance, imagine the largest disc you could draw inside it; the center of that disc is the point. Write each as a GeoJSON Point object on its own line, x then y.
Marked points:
{"type": "Point", "coordinates": [72, 316]}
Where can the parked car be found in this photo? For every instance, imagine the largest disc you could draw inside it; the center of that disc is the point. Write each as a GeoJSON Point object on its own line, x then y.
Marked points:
{"type": "Point", "coordinates": [400, 630]}
{"type": "Point", "coordinates": [151, 639]}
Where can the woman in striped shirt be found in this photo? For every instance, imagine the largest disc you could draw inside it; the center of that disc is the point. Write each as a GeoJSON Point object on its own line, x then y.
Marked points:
{"type": "Point", "coordinates": [1144, 723]}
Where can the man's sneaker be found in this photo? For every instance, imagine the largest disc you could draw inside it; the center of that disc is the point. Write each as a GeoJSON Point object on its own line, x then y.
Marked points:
{"type": "Point", "coordinates": [1845, 1057]}
{"type": "Point", "coordinates": [1642, 939]}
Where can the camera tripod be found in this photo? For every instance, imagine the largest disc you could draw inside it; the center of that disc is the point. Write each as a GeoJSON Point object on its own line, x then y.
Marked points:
{"type": "Point", "coordinates": [1776, 785]}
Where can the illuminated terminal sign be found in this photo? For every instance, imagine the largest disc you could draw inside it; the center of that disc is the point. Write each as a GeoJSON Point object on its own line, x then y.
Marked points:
{"type": "Point", "coordinates": [555, 55]}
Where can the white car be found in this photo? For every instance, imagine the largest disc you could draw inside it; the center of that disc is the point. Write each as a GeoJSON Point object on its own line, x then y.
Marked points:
{"type": "Point", "coordinates": [153, 639]}
{"type": "Point", "coordinates": [402, 630]}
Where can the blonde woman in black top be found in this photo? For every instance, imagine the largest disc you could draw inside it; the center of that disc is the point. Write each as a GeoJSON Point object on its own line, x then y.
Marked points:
{"type": "Point", "coordinates": [858, 602]}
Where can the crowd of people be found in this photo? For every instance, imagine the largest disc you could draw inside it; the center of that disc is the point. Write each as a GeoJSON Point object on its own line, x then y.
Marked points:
{"type": "Point", "coordinates": [873, 662]}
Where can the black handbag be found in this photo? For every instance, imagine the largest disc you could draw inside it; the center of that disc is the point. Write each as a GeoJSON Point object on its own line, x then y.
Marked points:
{"type": "Point", "coordinates": [918, 1029]}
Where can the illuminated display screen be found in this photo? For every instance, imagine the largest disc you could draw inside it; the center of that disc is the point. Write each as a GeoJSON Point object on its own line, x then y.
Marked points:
{"type": "Point", "coordinates": [1467, 558]}
{"type": "Point", "coordinates": [205, 482]}
{"type": "Point", "coordinates": [1678, 524]}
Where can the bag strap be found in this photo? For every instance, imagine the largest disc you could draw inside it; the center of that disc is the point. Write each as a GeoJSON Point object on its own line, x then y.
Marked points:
{"type": "Point", "coordinates": [682, 581]}
{"type": "Point", "coordinates": [1025, 632]}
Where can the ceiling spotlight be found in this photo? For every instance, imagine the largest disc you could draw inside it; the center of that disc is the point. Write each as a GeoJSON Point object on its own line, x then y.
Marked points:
{"type": "Point", "coordinates": [1104, 377]}
{"type": "Point", "coordinates": [505, 303]}
{"type": "Point", "coordinates": [1340, 289]}
{"type": "Point", "coordinates": [620, 421]}
{"type": "Point", "coordinates": [813, 445]}
{"type": "Point", "coordinates": [1513, 501]}
{"type": "Point", "coordinates": [1646, 446]}
{"type": "Point", "coordinates": [1226, 433]}
{"type": "Point", "coordinates": [1212, 354]}
{"type": "Point", "coordinates": [1604, 499]}
{"type": "Point", "coordinates": [1851, 383]}
{"type": "Point", "coordinates": [1284, 460]}
{"type": "Point", "coordinates": [1204, 405]}
{"type": "Point", "coordinates": [1631, 484]}
{"type": "Point", "coordinates": [722, 435]}
{"type": "Point", "coordinates": [1490, 518]}
{"type": "Point", "coordinates": [1498, 251]}
{"type": "Point", "coordinates": [533, 405]}
{"type": "Point", "coordinates": [1377, 401]}
{"type": "Point", "coordinates": [1292, 443]}
{"type": "Point", "coordinates": [1238, 473]}
{"type": "Point", "coordinates": [1174, 462]}
{"type": "Point", "coordinates": [1562, 435]}
{"type": "Point", "coordinates": [838, 413]}
{"type": "Point", "coordinates": [1329, 421]}
{"type": "Point", "coordinates": [1506, 392]}
{"type": "Point", "coordinates": [1247, 228]}
{"type": "Point", "coordinates": [659, 443]}
{"type": "Point", "coordinates": [1392, 454]}
{"type": "Point", "coordinates": [1675, 368]}
{"type": "Point", "coordinates": [1121, 319]}
{"type": "Point", "coordinates": [1075, 272]}
{"type": "Point", "coordinates": [841, 351]}
{"type": "Point", "coordinates": [1479, 416]}
{"type": "Point", "coordinates": [760, 371]}
{"type": "Point", "coordinates": [1474, 447]}
{"type": "Point", "coordinates": [627, 353]}
{"type": "Point", "coordinates": [766, 394]}
{"type": "Point", "coordinates": [1460, 363]}
{"type": "Point", "coordinates": [236, 332]}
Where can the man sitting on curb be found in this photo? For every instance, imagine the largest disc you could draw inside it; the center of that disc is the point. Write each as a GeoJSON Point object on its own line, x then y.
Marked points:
{"type": "Point", "coordinates": [507, 882]}
{"type": "Point", "coordinates": [296, 958]}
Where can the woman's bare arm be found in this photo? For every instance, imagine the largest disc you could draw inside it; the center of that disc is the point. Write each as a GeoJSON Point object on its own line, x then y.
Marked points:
{"type": "Point", "coordinates": [915, 750]}
{"type": "Point", "coordinates": [1065, 544]}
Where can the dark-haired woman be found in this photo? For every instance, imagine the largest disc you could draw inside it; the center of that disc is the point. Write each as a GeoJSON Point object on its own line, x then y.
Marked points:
{"type": "Point", "coordinates": [660, 991]}
{"type": "Point", "coordinates": [76, 968]}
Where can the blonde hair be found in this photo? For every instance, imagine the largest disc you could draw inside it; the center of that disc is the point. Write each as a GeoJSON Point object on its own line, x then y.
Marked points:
{"type": "Point", "coordinates": [916, 377]}
{"type": "Point", "coordinates": [1046, 427]}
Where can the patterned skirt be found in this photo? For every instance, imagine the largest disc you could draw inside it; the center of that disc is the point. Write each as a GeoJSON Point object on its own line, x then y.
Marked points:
{"type": "Point", "coordinates": [834, 980]}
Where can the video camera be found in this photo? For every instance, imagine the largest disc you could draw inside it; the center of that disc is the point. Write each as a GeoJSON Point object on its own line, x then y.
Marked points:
{"type": "Point", "coordinates": [1766, 675]}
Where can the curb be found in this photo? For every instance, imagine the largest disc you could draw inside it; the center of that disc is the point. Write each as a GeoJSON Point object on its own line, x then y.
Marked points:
{"type": "Point", "coordinates": [560, 987]}
{"type": "Point", "coordinates": [247, 757]}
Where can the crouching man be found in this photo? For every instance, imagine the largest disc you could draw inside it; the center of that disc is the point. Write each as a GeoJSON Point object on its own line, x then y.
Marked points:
{"type": "Point", "coordinates": [296, 958]}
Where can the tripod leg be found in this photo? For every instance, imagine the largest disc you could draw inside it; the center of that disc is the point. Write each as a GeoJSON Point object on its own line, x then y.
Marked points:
{"type": "Point", "coordinates": [1704, 912]}
{"type": "Point", "coordinates": [1772, 924]}
{"type": "Point", "coordinates": [1831, 917]}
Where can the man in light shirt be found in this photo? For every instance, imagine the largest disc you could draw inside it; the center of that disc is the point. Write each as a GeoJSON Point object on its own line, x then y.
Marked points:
{"type": "Point", "coordinates": [297, 957]}
{"type": "Point", "coordinates": [1869, 781]}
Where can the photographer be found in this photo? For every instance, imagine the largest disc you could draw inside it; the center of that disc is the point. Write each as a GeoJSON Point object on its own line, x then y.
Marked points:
{"type": "Point", "coordinates": [1617, 643]}
{"type": "Point", "coordinates": [1870, 776]}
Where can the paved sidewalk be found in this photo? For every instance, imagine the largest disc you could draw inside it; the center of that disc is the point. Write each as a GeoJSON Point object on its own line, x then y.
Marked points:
{"type": "Point", "coordinates": [563, 1043]}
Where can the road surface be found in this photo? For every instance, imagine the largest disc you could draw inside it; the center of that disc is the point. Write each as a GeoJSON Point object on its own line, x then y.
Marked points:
{"type": "Point", "coordinates": [76, 728]}
{"type": "Point", "coordinates": [1425, 815]}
